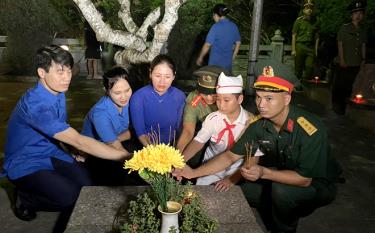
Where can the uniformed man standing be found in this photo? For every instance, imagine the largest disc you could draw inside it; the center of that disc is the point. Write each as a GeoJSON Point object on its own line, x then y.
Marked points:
{"type": "Point", "coordinates": [351, 43]}
{"type": "Point", "coordinates": [305, 42]}
{"type": "Point", "coordinates": [296, 174]}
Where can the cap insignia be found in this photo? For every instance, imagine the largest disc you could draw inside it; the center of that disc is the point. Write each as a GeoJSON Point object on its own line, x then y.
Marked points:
{"type": "Point", "coordinates": [207, 78]}
{"type": "Point", "coordinates": [268, 71]}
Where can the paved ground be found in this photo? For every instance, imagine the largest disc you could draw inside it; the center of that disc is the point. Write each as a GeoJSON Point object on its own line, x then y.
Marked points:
{"type": "Point", "coordinates": [353, 211]}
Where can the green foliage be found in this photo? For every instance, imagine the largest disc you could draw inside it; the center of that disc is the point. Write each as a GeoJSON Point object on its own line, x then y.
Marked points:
{"type": "Point", "coordinates": [28, 25]}
{"type": "Point", "coordinates": [109, 10]}
{"type": "Point", "coordinates": [141, 217]}
{"type": "Point", "coordinates": [71, 15]}
{"type": "Point", "coordinates": [164, 187]}
{"type": "Point", "coordinates": [195, 218]}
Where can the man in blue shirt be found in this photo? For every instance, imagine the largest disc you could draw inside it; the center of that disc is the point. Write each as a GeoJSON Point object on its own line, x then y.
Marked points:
{"type": "Point", "coordinates": [223, 40]}
{"type": "Point", "coordinates": [45, 176]}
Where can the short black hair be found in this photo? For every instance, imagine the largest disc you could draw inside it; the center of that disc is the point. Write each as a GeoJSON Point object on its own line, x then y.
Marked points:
{"type": "Point", "coordinates": [220, 10]}
{"type": "Point", "coordinates": [112, 76]}
{"type": "Point", "coordinates": [47, 54]}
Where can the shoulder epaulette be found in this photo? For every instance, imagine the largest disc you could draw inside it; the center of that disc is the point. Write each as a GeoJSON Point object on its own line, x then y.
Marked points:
{"type": "Point", "coordinates": [253, 119]}
{"type": "Point", "coordinates": [306, 125]}
{"type": "Point", "coordinates": [194, 103]}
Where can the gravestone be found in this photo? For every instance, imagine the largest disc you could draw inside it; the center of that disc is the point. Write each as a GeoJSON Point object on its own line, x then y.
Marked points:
{"type": "Point", "coordinates": [97, 206]}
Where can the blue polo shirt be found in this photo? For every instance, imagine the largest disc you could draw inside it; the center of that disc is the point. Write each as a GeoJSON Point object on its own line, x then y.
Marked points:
{"type": "Point", "coordinates": [104, 122]}
{"type": "Point", "coordinates": [37, 117]}
{"type": "Point", "coordinates": [151, 111]}
{"type": "Point", "coordinates": [222, 36]}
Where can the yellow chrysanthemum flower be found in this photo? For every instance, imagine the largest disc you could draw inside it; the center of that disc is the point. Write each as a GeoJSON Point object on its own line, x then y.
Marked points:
{"type": "Point", "coordinates": [156, 158]}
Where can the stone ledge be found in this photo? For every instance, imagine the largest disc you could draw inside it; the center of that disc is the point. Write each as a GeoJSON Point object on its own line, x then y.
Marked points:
{"type": "Point", "coordinates": [97, 206]}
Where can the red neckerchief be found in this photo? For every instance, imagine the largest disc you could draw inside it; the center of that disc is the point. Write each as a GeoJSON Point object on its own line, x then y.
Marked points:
{"type": "Point", "coordinates": [228, 127]}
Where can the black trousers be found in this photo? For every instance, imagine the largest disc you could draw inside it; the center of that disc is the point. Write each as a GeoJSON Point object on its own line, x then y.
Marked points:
{"type": "Point", "coordinates": [281, 205]}
{"type": "Point", "coordinates": [342, 87]}
{"type": "Point", "coordinates": [53, 190]}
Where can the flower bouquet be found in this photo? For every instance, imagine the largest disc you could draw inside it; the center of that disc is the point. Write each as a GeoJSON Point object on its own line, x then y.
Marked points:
{"type": "Point", "coordinates": [154, 164]}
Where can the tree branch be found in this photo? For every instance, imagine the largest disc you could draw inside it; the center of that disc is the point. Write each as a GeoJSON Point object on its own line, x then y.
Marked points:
{"type": "Point", "coordinates": [104, 32]}
{"type": "Point", "coordinates": [149, 22]}
{"type": "Point", "coordinates": [125, 16]}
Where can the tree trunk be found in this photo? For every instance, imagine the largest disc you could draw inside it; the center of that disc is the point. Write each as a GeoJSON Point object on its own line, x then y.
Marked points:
{"type": "Point", "coordinates": [136, 50]}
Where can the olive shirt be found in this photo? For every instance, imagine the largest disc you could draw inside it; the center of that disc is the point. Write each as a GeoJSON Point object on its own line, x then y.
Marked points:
{"type": "Point", "coordinates": [305, 30]}
{"type": "Point", "coordinates": [352, 39]}
{"type": "Point", "coordinates": [198, 113]}
{"type": "Point", "coordinates": [305, 151]}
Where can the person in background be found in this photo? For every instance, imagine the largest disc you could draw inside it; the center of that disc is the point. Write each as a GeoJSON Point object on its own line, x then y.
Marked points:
{"type": "Point", "coordinates": [293, 172]}
{"type": "Point", "coordinates": [223, 40]}
{"type": "Point", "coordinates": [199, 103]}
{"type": "Point", "coordinates": [45, 176]}
{"type": "Point", "coordinates": [92, 52]}
{"type": "Point", "coordinates": [222, 128]}
{"type": "Point", "coordinates": [351, 44]}
{"type": "Point", "coordinates": [156, 110]}
{"type": "Point", "coordinates": [108, 122]}
{"type": "Point", "coordinates": [305, 41]}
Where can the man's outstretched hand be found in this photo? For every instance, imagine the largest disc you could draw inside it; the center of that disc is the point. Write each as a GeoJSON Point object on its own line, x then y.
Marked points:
{"type": "Point", "coordinates": [185, 172]}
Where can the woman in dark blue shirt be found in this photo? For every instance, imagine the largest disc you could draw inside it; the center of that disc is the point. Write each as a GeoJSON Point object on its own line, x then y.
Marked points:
{"type": "Point", "coordinates": [157, 108]}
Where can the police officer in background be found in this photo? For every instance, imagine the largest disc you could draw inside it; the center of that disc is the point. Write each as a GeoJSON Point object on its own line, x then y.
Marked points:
{"type": "Point", "coordinates": [295, 172]}
{"type": "Point", "coordinates": [351, 43]}
{"type": "Point", "coordinates": [305, 42]}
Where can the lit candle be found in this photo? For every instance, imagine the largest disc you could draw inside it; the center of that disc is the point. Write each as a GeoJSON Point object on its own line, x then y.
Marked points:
{"type": "Point", "coordinates": [358, 99]}
{"type": "Point", "coordinates": [316, 79]}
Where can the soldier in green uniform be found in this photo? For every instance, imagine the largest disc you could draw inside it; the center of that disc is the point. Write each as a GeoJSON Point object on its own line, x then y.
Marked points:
{"type": "Point", "coordinates": [199, 104]}
{"type": "Point", "coordinates": [305, 42]}
{"type": "Point", "coordinates": [351, 43]}
{"type": "Point", "coordinates": [293, 173]}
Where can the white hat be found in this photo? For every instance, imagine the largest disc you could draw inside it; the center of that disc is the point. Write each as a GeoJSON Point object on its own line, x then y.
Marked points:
{"type": "Point", "coordinates": [229, 84]}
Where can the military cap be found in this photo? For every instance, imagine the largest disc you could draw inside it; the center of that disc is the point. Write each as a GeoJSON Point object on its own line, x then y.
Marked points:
{"type": "Point", "coordinates": [274, 76]}
{"type": "Point", "coordinates": [357, 6]}
{"type": "Point", "coordinates": [207, 78]}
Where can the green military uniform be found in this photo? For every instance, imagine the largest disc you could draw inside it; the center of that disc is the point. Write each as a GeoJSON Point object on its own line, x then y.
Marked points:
{"type": "Point", "coordinates": [352, 39]}
{"type": "Point", "coordinates": [306, 32]}
{"type": "Point", "coordinates": [301, 145]}
{"type": "Point", "coordinates": [196, 109]}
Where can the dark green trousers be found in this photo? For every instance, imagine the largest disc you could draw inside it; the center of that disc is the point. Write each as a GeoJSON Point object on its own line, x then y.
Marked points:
{"type": "Point", "coordinates": [281, 205]}
{"type": "Point", "coordinates": [304, 61]}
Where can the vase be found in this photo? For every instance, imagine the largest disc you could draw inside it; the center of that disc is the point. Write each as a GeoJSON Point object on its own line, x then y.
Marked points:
{"type": "Point", "coordinates": [170, 217]}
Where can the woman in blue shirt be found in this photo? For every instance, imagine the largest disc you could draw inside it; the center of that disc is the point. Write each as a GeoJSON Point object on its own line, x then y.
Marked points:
{"type": "Point", "coordinates": [156, 109]}
{"type": "Point", "coordinates": [108, 122]}
{"type": "Point", "coordinates": [223, 40]}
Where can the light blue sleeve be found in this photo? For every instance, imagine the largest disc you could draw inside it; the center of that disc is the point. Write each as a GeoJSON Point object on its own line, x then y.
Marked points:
{"type": "Point", "coordinates": [103, 127]}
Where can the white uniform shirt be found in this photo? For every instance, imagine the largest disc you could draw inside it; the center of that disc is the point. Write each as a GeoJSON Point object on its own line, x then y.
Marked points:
{"type": "Point", "coordinates": [211, 127]}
